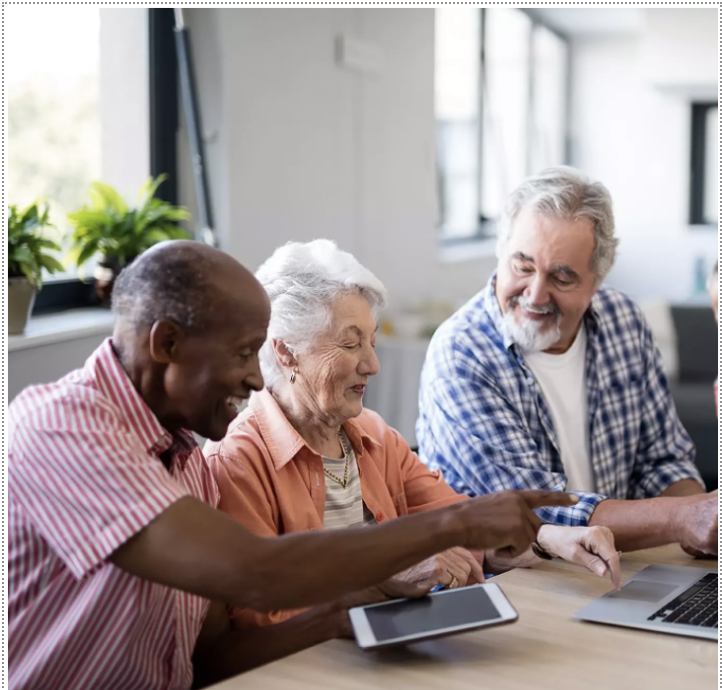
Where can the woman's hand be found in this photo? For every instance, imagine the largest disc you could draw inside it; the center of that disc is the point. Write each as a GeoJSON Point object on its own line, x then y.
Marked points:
{"type": "Point", "coordinates": [592, 547]}
{"type": "Point", "coordinates": [415, 582]}
{"type": "Point", "coordinates": [454, 568]}
{"type": "Point", "coordinates": [389, 589]}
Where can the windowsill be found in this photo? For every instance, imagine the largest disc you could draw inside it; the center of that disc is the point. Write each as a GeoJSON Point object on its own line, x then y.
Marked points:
{"type": "Point", "coordinates": [73, 324]}
{"type": "Point", "coordinates": [467, 251]}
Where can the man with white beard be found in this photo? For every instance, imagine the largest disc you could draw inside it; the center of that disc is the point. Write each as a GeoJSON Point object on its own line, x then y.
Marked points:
{"type": "Point", "coordinates": [548, 380]}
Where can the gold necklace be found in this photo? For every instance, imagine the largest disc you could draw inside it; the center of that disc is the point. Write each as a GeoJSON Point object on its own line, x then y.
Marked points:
{"type": "Point", "coordinates": [347, 456]}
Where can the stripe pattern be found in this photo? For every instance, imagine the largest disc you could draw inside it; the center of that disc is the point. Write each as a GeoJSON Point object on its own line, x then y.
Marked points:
{"type": "Point", "coordinates": [344, 506]}
{"type": "Point", "coordinates": [84, 476]}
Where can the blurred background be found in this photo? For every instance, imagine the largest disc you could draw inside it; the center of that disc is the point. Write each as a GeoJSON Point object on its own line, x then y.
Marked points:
{"type": "Point", "coordinates": [396, 132]}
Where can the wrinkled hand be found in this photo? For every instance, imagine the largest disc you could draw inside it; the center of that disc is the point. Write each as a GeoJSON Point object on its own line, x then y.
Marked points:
{"type": "Point", "coordinates": [389, 589]}
{"type": "Point", "coordinates": [506, 520]}
{"type": "Point", "coordinates": [698, 525]}
{"type": "Point", "coordinates": [442, 568]}
{"type": "Point", "coordinates": [591, 547]}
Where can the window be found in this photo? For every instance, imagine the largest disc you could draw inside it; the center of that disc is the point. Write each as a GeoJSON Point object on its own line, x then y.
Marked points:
{"type": "Point", "coordinates": [53, 91]}
{"type": "Point", "coordinates": [704, 192]}
{"type": "Point", "coordinates": [457, 69]}
{"type": "Point", "coordinates": [77, 112]}
{"type": "Point", "coordinates": [501, 102]}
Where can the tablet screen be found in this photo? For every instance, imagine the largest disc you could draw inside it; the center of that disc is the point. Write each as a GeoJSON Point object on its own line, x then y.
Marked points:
{"type": "Point", "coordinates": [458, 607]}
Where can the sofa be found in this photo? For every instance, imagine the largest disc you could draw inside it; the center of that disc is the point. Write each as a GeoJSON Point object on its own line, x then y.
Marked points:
{"type": "Point", "coordinates": [695, 333]}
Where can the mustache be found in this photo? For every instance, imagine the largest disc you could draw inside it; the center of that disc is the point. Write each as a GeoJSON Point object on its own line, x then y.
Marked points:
{"type": "Point", "coordinates": [523, 302]}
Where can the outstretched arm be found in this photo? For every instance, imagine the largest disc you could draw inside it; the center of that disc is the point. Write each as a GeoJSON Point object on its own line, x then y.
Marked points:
{"type": "Point", "coordinates": [693, 521]}
{"type": "Point", "coordinates": [193, 547]}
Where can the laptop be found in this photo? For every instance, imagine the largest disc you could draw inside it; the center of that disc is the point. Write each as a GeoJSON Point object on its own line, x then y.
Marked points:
{"type": "Point", "coordinates": [679, 600]}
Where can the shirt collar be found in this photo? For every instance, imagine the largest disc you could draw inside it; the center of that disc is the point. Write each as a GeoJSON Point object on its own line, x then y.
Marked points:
{"type": "Point", "coordinates": [492, 308]}
{"type": "Point", "coordinates": [104, 368]}
{"type": "Point", "coordinates": [284, 442]}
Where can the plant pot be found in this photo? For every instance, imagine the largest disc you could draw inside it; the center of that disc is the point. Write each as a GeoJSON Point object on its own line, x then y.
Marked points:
{"type": "Point", "coordinates": [105, 274]}
{"type": "Point", "coordinates": [21, 297]}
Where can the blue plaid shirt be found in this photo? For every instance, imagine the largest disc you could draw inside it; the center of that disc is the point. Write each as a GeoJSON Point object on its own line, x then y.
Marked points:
{"type": "Point", "coordinates": [484, 421]}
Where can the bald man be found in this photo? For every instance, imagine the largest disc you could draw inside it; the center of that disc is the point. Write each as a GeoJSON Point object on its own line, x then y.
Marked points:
{"type": "Point", "coordinates": [115, 547]}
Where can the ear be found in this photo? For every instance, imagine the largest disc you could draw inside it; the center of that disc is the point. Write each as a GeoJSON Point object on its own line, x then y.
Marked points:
{"type": "Point", "coordinates": [166, 338]}
{"type": "Point", "coordinates": [284, 356]}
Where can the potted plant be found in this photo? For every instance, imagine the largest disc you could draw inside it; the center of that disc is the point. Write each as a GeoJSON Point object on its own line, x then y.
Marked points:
{"type": "Point", "coordinates": [118, 234]}
{"type": "Point", "coordinates": [27, 257]}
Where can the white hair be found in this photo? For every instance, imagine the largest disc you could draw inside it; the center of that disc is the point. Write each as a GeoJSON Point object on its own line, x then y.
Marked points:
{"type": "Point", "coordinates": [565, 192]}
{"type": "Point", "coordinates": [303, 280]}
{"type": "Point", "coordinates": [528, 335]}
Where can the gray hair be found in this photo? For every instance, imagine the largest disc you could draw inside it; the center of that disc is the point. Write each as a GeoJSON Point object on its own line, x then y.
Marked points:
{"type": "Point", "coordinates": [565, 192]}
{"type": "Point", "coordinates": [171, 284]}
{"type": "Point", "coordinates": [303, 280]}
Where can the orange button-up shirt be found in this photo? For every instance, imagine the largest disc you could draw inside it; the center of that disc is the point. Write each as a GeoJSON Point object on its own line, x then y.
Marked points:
{"type": "Point", "coordinates": [272, 482]}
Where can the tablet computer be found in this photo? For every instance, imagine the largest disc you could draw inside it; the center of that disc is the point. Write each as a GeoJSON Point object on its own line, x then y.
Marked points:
{"type": "Point", "coordinates": [402, 621]}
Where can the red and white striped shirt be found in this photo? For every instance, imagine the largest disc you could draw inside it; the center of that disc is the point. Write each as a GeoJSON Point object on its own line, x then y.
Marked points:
{"type": "Point", "coordinates": [84, 476]}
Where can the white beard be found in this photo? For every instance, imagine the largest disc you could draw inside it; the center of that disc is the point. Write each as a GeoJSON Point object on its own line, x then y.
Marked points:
{"type": "Point", "coordinates": [527, 334]}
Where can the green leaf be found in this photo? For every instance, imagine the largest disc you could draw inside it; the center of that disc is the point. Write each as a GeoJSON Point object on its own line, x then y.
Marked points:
{"type": "Point", "coordinates": [104, 196]}
{"type": "Point", "coordinates": [109, 227]}
{"type": "Point", "coordinates": [27, 246]}
{"type": "Point", "coordinates": [21, 255]}
{"type": "Point", "coordinates": [51, 264]}
{"type": "Point", "coordinates": [30, 273]}
{"type": "Point", "coordinates": [86, 252]}
{"type": "Point", "coordinates": [43, 243]}
{"type": "Point", "coordinates": [148, 190]}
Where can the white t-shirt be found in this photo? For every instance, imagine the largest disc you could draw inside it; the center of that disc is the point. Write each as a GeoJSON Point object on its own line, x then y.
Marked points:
{"type": "Point", "coordinates": [562, 381]}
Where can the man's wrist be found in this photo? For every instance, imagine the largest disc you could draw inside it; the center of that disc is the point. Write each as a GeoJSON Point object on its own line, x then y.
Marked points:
{"type": "Point", "coordinates": [678, 518]}
{"type": "Point", "coordinates": [545, 542]}
{"type": "Point", "coordinates": [450, 530]}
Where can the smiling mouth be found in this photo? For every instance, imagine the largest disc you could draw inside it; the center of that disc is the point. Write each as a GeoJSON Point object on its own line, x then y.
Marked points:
{"type": "Point", "coordinates": [236, 402]}
{"type": "Point", "coordinates": [536, 315]}
{"type": "Point", "coordinates": [359, 389]}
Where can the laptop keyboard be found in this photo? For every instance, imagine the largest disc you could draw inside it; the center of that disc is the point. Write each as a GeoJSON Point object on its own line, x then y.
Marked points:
{"type": "Point", "coordinates": [697, 605]}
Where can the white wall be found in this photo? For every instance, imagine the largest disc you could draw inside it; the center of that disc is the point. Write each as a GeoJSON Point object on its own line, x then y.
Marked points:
{"type": "Point", "coordinates": [680, 50]}
{"type": "Point", "coordinates": [301, 148]}
{"type": "Point", "coordinates": [635, 137]}
{"type": "Point", "coordinates": [305, 148]}
{"type": "Point", "coordinates": [124, 99]}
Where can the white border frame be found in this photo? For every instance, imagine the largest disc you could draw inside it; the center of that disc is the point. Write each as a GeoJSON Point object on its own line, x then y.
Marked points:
{"type": "Point", "coordinates": [367, 640]}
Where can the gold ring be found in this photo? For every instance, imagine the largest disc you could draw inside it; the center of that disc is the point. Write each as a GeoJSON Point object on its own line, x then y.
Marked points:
{"type": "Point", "coordinates": [453, 582]}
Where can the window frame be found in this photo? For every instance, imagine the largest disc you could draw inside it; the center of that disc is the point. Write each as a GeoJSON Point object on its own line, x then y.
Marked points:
{"type": "Point", "coordinates": [163, 101]}
{"type": "Point", "coordinates": [698, 156]}
{"type": "Point", "coordinates": [485, 230]}
{"type": "Point", "coordinates": [64, 295]}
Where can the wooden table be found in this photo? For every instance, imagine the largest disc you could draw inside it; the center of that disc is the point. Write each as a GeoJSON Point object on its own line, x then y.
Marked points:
{"type": "Point", "coordinates": [545, 648]}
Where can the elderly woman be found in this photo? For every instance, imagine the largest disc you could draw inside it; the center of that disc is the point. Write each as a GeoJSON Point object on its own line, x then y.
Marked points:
{"type": "Point", "coordinates": [306, 454]}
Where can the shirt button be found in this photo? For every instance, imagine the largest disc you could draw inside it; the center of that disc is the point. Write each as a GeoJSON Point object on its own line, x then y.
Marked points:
{"type": "Point", "coordinates": [379, 517]}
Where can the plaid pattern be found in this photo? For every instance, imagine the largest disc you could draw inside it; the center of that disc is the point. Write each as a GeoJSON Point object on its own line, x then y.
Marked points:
{"type": "Point", "coordinates": [484, 422]}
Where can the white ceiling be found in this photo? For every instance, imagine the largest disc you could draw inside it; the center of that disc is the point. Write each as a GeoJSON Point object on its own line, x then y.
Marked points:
{"type": "Point", "coordinates": [592, 21]}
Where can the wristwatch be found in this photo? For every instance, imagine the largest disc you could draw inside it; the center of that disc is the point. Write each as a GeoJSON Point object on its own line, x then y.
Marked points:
{"type": "Point", "coordinates": [539, 552]}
